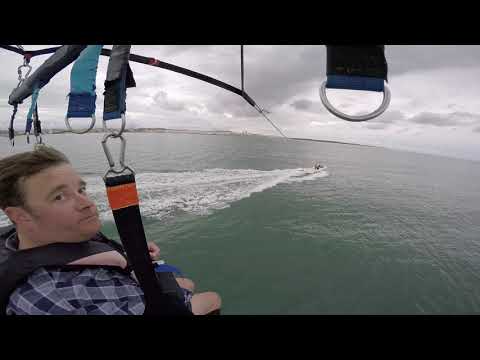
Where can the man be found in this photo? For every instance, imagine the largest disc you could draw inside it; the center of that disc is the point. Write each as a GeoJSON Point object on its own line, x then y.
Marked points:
{"type": "Point", "coordinates": [46, 200]}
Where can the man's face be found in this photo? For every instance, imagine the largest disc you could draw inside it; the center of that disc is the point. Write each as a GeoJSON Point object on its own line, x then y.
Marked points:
{"type": "Point", "coordinates": [59, 207]}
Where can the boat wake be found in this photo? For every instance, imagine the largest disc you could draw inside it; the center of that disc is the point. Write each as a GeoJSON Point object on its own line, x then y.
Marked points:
{"type": "Point", "coordinates": [196, 192]}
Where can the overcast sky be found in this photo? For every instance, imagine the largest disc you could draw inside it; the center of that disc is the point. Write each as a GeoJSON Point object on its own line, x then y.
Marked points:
{"type": "Point", "coordinates": [435, 106]}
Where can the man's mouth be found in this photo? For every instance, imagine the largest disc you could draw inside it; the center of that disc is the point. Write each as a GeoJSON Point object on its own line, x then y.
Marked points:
{"type": "Point", "coordinates": [90, 217]}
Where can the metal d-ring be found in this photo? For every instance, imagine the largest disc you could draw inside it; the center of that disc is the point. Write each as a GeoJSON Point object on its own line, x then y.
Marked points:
{"type": "Point", "coordinates": [356, 118]}
{"type": "Point", "coordinates": [112, 132]}
{"type": "Point", "coordinates": [92, 124]}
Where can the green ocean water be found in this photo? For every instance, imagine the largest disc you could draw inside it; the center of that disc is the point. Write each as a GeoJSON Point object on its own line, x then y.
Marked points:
{"type": "Point", "coordinates": [378, 232]}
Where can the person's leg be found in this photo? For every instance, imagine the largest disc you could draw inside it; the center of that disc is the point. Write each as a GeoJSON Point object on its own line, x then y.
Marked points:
{"type": "Point", "coordinates": [205, 303]}
{"type": "Point", "coordinates": [186, 284]}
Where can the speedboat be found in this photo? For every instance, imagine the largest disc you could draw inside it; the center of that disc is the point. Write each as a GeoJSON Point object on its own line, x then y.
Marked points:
{"type": "Point", "coordinates": [318, 167]}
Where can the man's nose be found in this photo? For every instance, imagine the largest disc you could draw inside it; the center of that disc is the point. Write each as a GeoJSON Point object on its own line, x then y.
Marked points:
{"type": "Point", "coordinates": [83, 201]}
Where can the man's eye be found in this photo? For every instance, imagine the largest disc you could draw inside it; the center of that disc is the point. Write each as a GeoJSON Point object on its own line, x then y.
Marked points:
{"type": "Point", "coordinates": [82, 190]}
{"type": "Point", "coordinates": [59, 197]}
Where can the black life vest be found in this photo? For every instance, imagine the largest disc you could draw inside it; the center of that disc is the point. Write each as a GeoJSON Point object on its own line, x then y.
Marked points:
{"type": "Point", "coordinates": [16, 266]}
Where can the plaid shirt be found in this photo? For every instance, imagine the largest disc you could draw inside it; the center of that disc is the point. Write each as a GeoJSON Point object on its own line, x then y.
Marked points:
{"type": "Point", "coordinates": [78, 290]}
{"type": "Point", "coordinates": [86, 291]}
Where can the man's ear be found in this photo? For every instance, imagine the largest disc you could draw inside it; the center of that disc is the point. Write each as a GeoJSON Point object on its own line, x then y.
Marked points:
{"type": "Point", "coordinates": [17, 215]}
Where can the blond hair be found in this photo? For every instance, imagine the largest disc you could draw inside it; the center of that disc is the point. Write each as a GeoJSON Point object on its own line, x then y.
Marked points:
{"type": "Point", "coordinates": [15, 169]}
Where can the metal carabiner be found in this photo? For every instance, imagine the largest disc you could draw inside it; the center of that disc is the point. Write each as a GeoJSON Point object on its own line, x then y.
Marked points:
{"type": "Point", "coordinates": [22, 78]}
{"type": "Point", "coordinates": [355, 118]}
{"type": "Point", "coordinates": [112, 132]}
{"type": "Point", "coordinates": [110, 160]}
{"type": "Point", "coordinates": [92, 124]}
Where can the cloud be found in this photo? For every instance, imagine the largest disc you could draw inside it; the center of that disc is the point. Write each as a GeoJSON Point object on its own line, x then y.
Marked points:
{"type": "Point", "coordinates": [432, 119]}
{"type": "Point", "coordinates": [390, 116]}
{"type": "Point", "coordinates": [162, 52]}
{"type": "Point", "coordinates": [162, 100]}
{"type": "Point", "coordinates": [433, 88]}
{"type": "Point", "coordinates": [402, 130]}
{"type": "Point", "coordinates": [384, 121]}
{"type": "Point", "coordinates": [377, 126]}
{"type": "Point", "coordinates": [402, 58]}
{"type": "Point", "coordinates": [442, 120]}
{"type": "Point", "coordinates": [234, 105]}
{"type": "Point", "coordinates": [275, 74]}
{"type": "Point", "coordinates": [302, 104]}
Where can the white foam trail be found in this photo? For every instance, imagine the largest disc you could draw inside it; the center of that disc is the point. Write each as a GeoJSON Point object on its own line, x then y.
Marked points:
{"type": "Point", "coordinates": [196, 192]}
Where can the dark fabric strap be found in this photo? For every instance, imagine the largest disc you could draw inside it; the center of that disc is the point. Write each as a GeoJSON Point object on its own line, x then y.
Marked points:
{"type": "Point", "coordinates": [113, 103]}
{"type": "Point", "coordinates": [11, 130]}
{"type": "Point", "coordinates": [13, 48]}
{"type": "Point", "coordinates": [54, 64]}
{"type": "Point", "coordinates": [167, 66]}
{"type": "Point", "coordinates": [37, 124]}
{"type": "Point", "coordinates": [30, 53]}
{"type": "Point", "coordinates": [160, 289]}
{"type": "Point", "coordinates": [42, 51]}
{"type": "Point", "coordinates": [119, 78]}
{"type": "Point", "coordinates": [356, 67]}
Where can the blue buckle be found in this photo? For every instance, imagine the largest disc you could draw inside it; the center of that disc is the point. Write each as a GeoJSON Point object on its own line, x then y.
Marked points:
{"type": "Point", "coordinates": [355, 83]}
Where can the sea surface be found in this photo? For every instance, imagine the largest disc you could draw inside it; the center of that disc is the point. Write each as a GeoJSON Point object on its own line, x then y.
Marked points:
{"type": "Point", "coordinates": [377, 232]}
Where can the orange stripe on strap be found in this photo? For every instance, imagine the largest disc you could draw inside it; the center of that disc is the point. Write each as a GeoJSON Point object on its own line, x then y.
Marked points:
{"type": "Point", "coordinates": [122, 196]}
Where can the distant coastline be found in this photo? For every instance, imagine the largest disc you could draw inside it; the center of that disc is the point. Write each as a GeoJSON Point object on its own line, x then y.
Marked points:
{"type": "Point", "coordinates": [4, 133]}
{"type": "Point", "coordinates": [331, 141]}
{"type": "Point", "coordinates": [141, 130]}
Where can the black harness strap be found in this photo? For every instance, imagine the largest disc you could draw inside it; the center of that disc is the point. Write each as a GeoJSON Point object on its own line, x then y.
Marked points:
{"type": "Point", "coordinates": [11, 130]}
{"type": "Point", "coordinates": [19, 95]}
{"type": "Point", "coordinates": [37, 124]}
{"type": "Point", "coordinates": [164, 65]}
{"type": "Point", "coordinates": [30, 53]}
{"type": "Point", "coordinates": [13, 48]}
{"type": "Point", "coordinates": [55, 63]}
{"type": "Point", "coordinates": [160, 289]}
{"type": "Point", "coordinates": [362, 61]}
{"type": "Point", "coordinates": [43, 51]}
{"type": "Point", "coordinates": [119, 78]}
